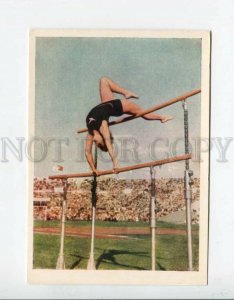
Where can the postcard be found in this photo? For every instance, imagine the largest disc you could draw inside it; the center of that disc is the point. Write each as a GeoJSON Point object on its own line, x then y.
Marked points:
{"type": "Point", "coordinates": [117, 178]}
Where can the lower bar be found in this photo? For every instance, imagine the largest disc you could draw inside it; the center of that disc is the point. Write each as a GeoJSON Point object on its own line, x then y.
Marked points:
{"type": "Point", "coordinates": [125, 169]}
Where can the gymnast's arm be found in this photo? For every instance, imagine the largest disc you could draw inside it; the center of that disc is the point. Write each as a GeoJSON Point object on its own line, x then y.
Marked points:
{"type": "Point", "coordinates": [104, 129]}
{"type": "Point", "coordinates": [88, 152]}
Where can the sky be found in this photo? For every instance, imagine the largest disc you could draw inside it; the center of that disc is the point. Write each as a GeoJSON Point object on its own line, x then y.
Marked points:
{"type": "Point", "coordinates": [67, 72]}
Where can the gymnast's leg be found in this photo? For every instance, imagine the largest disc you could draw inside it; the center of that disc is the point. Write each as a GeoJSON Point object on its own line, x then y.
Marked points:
{"type": "Point", "coordinates": [134, 109]}
{"type": "Point", "coordinates": [107, 88]}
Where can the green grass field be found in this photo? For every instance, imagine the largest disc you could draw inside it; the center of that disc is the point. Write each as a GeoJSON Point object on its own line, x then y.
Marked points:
{"type": "Point", "coordinates": [128, 254]}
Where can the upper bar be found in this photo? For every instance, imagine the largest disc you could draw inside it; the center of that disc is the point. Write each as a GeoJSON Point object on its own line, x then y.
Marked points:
{"type": "Point", "coordinates": [152, 109]}
{"type": "Point", "coordinates": [125, 169]}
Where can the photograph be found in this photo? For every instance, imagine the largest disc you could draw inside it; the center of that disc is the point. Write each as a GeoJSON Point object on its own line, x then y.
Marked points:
{"type": "Point", "coordinates": [117, 180]}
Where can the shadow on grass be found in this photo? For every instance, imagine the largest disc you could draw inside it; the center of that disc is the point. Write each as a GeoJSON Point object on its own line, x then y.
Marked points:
{"type": "Point", "coordinates": [160, 267]}
{"type": "Point", "coordinates": [109, 257]}
{"type": "Point", "coordinates": [78, 261]}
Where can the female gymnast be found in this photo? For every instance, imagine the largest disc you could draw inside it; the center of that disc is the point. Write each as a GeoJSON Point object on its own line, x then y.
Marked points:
{"type": "Point", "coordinates": [97, 119]}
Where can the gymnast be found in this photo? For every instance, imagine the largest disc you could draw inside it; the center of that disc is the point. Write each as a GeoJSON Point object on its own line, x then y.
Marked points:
{"type": "Point", "coordinates": [97, 119]}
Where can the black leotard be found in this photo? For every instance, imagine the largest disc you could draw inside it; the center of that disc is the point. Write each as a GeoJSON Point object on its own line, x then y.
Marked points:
{"type": "Point", "coordinates": [102, 112]}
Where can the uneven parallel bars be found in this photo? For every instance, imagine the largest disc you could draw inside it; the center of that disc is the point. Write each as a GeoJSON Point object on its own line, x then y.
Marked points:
{"type": "Point", "coordinates": [125, 169]}
{"type": "Point", "coordinates": [150, 110]}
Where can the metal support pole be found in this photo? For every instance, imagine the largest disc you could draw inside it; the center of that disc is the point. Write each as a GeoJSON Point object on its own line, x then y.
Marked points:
{"type": "Point", "coordinates": [61, 262]}
{"type": "Point", "coordinates": [152, 219]}
{"type": "Point", "coordinates": [187, 189]}
{"type": "Point", "coordinates": [91, 262]}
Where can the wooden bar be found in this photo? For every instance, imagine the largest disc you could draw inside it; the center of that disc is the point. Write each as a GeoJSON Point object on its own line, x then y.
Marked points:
{"type": "Point", "coordinates": [125, 169]}
{"type": "Point", "coordinates": [150, 110]}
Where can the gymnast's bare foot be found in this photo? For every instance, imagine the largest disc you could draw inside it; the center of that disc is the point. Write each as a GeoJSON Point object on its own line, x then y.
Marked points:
{"type": "Point", "coordinates": [129, 95]}
{"type": "Point", "coordinates": [166, 118]}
